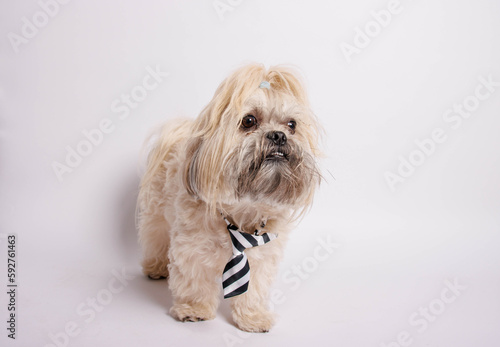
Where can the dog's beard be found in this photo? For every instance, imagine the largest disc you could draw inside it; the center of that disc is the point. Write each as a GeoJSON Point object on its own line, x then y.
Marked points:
{"type": "Point", "coordinates": [263, 171]}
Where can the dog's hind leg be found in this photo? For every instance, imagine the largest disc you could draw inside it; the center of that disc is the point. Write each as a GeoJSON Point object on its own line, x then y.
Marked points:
{"type": "Point", "coordinates": [155, 241]}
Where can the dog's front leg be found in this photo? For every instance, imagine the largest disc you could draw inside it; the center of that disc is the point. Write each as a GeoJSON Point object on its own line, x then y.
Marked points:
{"type": "Point", "coordinates": [192, 280]}
{"type": "Point", "coordinates": [250, 310]}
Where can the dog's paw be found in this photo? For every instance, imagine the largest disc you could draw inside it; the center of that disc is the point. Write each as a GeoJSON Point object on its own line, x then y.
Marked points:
{"type": "Point", "coordinates": [192, 313]}
{"type": "Point", "coordinates": [156, 277]}
{"type": "Point", "coordinates": [255, 322]}
{"type": "Point", "coordinates": [155, 269]}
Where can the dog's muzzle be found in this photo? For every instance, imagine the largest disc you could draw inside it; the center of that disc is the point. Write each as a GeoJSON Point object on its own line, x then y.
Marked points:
{"type": "Point", "coordinates": [278, 151]}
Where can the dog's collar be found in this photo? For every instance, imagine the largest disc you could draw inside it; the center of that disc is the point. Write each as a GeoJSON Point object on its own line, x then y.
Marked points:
{"type": "Point", "coordinates": [256, 231]}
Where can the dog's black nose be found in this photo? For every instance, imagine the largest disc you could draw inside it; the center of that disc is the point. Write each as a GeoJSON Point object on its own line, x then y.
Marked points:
{"type": "Point", "coordinates": [277, 137]}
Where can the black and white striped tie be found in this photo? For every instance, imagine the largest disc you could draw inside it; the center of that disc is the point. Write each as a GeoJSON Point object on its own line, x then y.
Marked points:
{"type": "Point", "coordinates": [237, 271]}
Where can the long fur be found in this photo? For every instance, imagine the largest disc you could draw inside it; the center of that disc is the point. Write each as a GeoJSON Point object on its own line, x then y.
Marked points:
{"type": "Point", "coordinates": [201, 168]}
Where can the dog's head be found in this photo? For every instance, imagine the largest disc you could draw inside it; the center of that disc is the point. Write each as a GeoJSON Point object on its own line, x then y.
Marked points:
{"type": "Point", "coordinates": [255, 142]}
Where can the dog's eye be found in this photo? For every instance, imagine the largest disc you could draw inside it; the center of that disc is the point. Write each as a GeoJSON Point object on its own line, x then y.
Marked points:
{"type": "Point", "coordinates": [249, 121]}
{"type": "Point", "coordinates": [292, 124]}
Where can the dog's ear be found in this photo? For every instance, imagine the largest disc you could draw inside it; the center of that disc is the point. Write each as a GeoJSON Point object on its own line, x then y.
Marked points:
{"type": "Point", "coordinates": [191, 167]}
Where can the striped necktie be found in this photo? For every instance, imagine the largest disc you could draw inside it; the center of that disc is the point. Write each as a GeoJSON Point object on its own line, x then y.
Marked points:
{"type": "Point", "coordinates": [237, 271]}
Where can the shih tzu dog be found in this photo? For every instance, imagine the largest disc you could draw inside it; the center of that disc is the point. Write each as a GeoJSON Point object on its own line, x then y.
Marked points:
{"type": "Point", "coordinates": [221, 193]}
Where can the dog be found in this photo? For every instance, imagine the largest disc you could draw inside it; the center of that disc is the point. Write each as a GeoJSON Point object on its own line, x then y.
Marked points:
{"type": "Point", "coordinates": [245, 169]}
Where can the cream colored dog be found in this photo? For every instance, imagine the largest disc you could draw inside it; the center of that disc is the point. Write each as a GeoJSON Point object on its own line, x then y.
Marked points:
{"type": "Point", "coordinates": [250, 156]}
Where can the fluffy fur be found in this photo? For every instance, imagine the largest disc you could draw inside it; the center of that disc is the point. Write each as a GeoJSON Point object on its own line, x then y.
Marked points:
{"type": "Point", "coordinates": [198, 169]}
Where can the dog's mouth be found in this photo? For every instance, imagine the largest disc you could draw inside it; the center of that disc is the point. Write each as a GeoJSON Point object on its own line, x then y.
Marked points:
{"type": "Point", "coordinates": [277, 155]}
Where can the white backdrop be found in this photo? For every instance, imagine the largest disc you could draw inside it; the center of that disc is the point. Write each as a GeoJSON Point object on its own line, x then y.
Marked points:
{"type": "Point", "coordinates": [401, 245]}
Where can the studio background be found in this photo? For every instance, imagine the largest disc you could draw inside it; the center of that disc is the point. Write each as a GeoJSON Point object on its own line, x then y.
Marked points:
{"type": "Point", "coordinates": [378, 261]}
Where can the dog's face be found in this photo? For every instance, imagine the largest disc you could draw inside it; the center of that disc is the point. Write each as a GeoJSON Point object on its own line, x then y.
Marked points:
{"type": "Point", "coordinates": [271, 159]}
{"type": "Point", "coordinates": [263, 151]}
